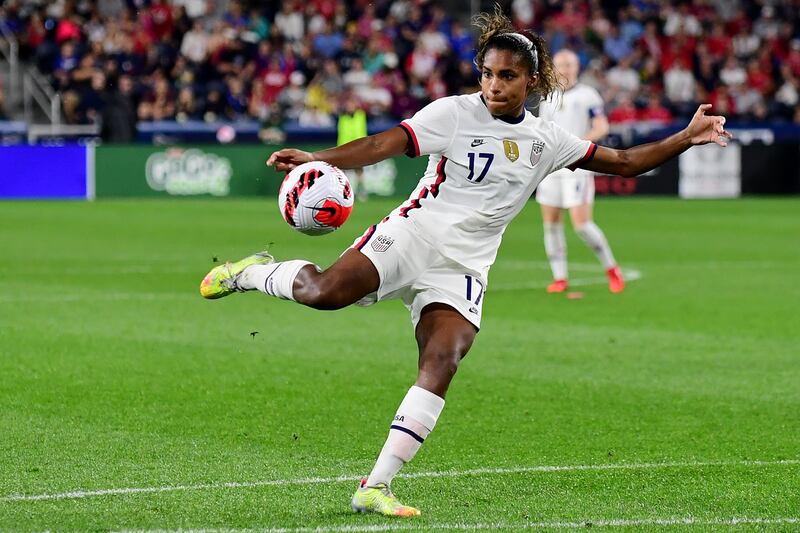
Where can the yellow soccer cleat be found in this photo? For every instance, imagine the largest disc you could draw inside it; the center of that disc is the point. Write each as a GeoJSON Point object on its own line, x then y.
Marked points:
{"type": "Point", "coordinates": [221, 280]}
{"type": "Point", "coordinates": [379, 499]}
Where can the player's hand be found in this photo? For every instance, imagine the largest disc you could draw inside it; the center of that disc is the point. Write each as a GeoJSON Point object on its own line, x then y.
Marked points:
{"type": "Point", "coordinates": [287, 159]}
{"type": "Point", "coordinates": [704, 129]}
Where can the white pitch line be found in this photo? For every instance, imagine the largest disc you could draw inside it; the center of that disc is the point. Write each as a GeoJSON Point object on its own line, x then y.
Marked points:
{"type": "Point", "coordinates": [582, 524]}
{"type": "Point", "coordinates": [77, 494]}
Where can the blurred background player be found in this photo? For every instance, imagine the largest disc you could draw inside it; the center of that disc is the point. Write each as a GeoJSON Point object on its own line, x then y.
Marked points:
{"type": "Point", "coordinates": [579, 110]}
{"type": "Point", "coordinates": [352, 125]}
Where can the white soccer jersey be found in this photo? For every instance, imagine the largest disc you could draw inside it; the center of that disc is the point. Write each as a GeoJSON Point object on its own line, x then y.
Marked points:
{"type": "Point", "coordinates": [573, 109]}
{"type": "Point", "coordinates": [481, 172]}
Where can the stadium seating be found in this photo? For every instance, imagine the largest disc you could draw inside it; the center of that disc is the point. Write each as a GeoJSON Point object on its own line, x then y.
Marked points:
{"type": "Point", "coordinates": [290, 64]}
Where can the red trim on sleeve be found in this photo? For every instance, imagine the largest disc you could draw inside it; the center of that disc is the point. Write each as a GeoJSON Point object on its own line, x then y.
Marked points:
{"type": "Point", "coordinates": [413, 135]}
{"type": "Point", "coordinates": [586, 158]}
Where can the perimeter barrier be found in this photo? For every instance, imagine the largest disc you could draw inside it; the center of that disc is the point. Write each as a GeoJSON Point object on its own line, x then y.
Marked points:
{"type": "Point", "coordinates": [761, 161]}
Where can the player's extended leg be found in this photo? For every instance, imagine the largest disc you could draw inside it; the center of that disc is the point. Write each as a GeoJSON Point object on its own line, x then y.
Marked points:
{"type": "Point", "coordinates": [595, 239]}
{"type": "Point", "coordinates": [349, 279]}
{"type": "Point", "coordinates": [555, 245]}
{"type": "Point", "coordinates": [444, 337]}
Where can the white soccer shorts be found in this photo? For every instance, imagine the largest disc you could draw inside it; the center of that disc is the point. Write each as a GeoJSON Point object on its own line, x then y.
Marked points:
{"type": "Point", "coordinates": [413, 270]}
{"type": "Point", "coordinates": [565, 189]}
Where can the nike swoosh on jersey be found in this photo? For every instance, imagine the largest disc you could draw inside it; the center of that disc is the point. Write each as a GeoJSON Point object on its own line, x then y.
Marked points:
{"type": "Point", "coordinates": [477, 142]}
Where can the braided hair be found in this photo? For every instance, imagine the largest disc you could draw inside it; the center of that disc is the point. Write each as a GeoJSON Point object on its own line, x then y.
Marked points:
{"type": "Point", "coordinates": [497, 32]}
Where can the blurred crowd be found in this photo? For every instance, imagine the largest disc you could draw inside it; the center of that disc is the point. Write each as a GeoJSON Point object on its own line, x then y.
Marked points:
{"type": "Point", "coordinates": [292, 60]}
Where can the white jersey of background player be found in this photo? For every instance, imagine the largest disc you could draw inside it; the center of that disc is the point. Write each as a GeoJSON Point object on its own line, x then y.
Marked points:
{"type": "Point", "coordinates": [434, 250]}
{"type": "Point", "coordinates": [579, 110]}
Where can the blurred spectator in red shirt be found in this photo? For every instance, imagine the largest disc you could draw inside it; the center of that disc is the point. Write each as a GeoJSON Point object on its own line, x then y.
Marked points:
{"type": "Point", "coordinates": [719, 43]}
{"type": "Point", "coordinates": [366, 21]}
{"type": "Point", "coordinates": [570, 19]}
{"type": "Point", "coordinates": [793, 59]}
{"type": "Point", "coordinates": [274, 79]}
{"type": "Point", "coordinates": [779, 45]}
{"type": "Point", "coordinates": [758, 79]}
{"type": "Point", "coordinates": [679, 47]}
{"type": "Point", "coordinates": [161, 16]}
{"type": "Point", "coordinates": [67, 30]}
{"type": "Point", "coordinates": [326, 8]}
{"type": "Point", "coordinates": [721, 101]}
{"type": "Point", "coordinates": [36, 32]}
{"type": "Point", "coordinates": [655, 111]}
{"type": "Point", "coordinates": [652, 43]}
{"type": "Point", "coordinates": [624, 113]}
{"type": "Point", "coordinates": [739, 23]}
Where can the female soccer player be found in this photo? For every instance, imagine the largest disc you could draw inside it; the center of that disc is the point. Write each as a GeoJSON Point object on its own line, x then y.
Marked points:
{"type": "Point", "coordinates": [579, 110]}
{"type": "Point", "coordinates": [433, 252]}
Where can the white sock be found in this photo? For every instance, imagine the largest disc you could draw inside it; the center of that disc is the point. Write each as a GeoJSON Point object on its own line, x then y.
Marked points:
{"type": "Point", "coordinates": [555, 245]}
{"type": "Point", "coordinates": [275, 279]}
{"type": "Point", "coordinates": [414, 420]}
{"type": "Point", "coordinates": [595, 239]}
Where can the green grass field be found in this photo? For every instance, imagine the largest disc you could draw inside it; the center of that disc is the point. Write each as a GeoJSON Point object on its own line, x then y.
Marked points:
{"type": "Point", "coordinates": [129, 403]}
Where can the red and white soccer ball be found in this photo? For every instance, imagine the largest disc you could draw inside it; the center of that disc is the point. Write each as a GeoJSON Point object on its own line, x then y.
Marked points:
{"type": "Point", "coordinates": [315, 198]}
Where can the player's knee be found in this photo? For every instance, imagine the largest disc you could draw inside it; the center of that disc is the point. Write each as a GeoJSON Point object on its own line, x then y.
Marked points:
{"type": "Point", "coordinates": [442, 365]}
{"type": "Point", "coordinates": [443, 360]}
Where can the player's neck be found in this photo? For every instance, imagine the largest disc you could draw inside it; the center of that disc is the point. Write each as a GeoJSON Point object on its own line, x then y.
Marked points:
{"type": "Point", "coordinates": [512, 118]}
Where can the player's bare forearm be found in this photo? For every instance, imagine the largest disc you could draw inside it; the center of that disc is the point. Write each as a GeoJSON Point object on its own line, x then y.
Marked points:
{"type": "Point", "coordinates": [702, 129]}
{"type": "Point", "coordinates": [639, 159]}
{"type": "Point", "coordinates": [365, 151]}
{"type": "Point", "coordinates": [359, 153]}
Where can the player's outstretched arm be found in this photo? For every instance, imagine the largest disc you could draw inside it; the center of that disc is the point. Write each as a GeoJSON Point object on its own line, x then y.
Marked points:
{"type": "Point", "coordinates": [702, 129]}
{"type": "Point", "coordinates": [359, 153]}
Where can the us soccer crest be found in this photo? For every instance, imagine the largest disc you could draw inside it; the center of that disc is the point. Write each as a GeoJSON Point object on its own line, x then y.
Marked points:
{"type": "Point", "coordinates": [536, 152]}
{"type": "Point", "coordinates": [382, 243]}
{"type": "Point", "coordinates": [511, 149]}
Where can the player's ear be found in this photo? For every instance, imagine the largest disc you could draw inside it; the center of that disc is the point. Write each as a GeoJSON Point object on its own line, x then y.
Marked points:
{"type": "Point", "coordinates": [533, 81]}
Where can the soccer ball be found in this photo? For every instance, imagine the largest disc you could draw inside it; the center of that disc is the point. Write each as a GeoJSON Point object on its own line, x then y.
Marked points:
{"type": "Point", "coordinates": [315, 198]}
